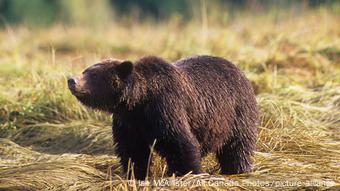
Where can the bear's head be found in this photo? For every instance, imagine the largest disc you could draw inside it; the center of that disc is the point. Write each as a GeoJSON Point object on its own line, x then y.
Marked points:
{"type": "Point", "coordinates": [101, 85]}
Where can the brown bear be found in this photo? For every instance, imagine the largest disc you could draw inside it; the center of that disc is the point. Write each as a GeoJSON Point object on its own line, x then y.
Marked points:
{"type": "Point", "coordinates": [194, 106]}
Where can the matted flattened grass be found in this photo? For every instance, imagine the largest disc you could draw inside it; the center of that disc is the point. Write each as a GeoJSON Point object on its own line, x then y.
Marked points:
{"type": "Point", "coordinates": [50, 141]}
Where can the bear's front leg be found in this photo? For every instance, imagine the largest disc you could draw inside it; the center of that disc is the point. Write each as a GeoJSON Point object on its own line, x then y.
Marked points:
{"type": "Point", "coordinates": [138, 156]}
{"type": "Point", "coordinates": [174, 139]}
{"type": "Point", "coordinates": [182, 156]}
{"type": "Point", "coordinates": [133, 150]}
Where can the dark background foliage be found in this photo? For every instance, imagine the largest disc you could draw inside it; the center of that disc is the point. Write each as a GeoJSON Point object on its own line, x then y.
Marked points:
{"type": "Point", "coordinates": [46, 12]}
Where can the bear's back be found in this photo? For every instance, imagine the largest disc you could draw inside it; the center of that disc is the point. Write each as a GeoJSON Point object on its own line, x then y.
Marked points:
{"type": "Point", "coordinates": [213, 74]}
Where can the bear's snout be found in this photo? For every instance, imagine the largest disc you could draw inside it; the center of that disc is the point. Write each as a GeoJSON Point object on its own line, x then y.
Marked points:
{"type": "Point", "coordinates": [75, 84]}
{"type": "Point", "coordinates": [71, 83]}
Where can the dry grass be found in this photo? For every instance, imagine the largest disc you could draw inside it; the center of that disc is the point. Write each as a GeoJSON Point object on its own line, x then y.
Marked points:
{"type": "Point", "coordinates": [49, 141]}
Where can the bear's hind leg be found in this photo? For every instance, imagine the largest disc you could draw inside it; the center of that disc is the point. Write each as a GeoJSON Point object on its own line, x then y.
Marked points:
{"type": "Point", "coordinates": [235, 157]}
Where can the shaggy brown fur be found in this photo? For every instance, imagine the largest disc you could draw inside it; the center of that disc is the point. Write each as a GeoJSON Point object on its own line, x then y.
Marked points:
{"type": "Point", "coordinates": [197, 105]}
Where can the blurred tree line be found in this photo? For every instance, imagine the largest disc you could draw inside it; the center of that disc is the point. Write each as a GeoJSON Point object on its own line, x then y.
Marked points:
{"type": "Point", "coordinates": [45, 12]}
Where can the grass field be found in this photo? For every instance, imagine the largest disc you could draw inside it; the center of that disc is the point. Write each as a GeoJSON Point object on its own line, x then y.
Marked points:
{"type": "Point", "coordinates": [50, 141]}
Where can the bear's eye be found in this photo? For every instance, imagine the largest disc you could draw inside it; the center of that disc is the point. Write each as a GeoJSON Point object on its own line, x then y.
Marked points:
{"type": "Point", "coordinates": [94, 76]}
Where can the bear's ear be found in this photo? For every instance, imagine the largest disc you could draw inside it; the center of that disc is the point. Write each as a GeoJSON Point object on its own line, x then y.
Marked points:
{"type": "Point", "coordinates": [124, 69]}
